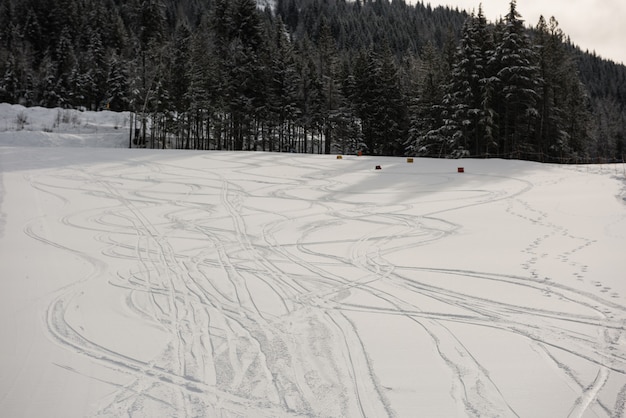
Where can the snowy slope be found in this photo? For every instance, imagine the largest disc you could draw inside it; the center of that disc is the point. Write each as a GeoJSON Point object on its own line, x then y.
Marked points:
{"type": "Point", "coordinates": [169, 283]}
{"type": "Point", "coordinates": [38, 126]}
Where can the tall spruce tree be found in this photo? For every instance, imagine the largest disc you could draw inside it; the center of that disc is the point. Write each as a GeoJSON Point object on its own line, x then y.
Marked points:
{"type": "Point", "coordinates": [551, 134]}
{"type": "Point", "coordinates": [9, 83]}
{"type": "Point", "coordinates": [380, 103]}
{"type": "Point", "coordinates": [470, 117]}
{"type": "Point", "coordinates": [117, 85]}
{"type": "Point", "coordinates": [393, 123]}
{"type": "Point", "coordinates": [204, 93]}
{"type": "Point", "coordinates": [518, 80]}
{"type": "Point", "coordinates": [309, 92]}
{"type": "Point", "coordinates": [283, 86]}
{"type": "Point", "coordinates": [425, 106]}
{"type": "Point", "coordinates": [331, 91]}
{"type": "Point", "coordinates": [246, 91]}
{"type": "Point", "coordinates": [563, 123]}
{"type": "Point", "coordinates": [149, 28]}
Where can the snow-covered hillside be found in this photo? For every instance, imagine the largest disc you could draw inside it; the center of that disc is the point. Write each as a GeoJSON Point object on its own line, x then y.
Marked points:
{"type": "Point", "coordinates": [151, 283]}
{"type": "Point", "coordinates": [38, 126]}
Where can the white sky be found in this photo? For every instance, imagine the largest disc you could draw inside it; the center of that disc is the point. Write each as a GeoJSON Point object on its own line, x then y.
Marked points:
{"type": "Point", "coordinates": [590, 24]}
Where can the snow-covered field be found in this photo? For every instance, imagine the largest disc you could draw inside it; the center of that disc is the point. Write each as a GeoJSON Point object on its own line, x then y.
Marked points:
{"type": "Point", "coordinates": [152, 283]}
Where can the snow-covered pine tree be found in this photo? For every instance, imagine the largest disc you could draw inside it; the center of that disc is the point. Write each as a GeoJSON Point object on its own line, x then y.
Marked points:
{"type": "Point", "coordinates": [309, 92]}
{"type": "Point", "coordinates": [562, 126]}
{"type": "Point", "coordinates": [245, 87]}
{"type": "Point", "coordinates": [518, 81]}
{"type": "Point", "coordinates": [9, 83]}
{"type": "Point", "coordinates": [379, 102]}
{"type": "Point", "coordinates": [393, 122]}
{"type": "Point", "coordinates": [425, 105]}
{"type": "Point", "coordinates": [117, 85]}
{"type": "Point", "coordinates": [331, 91]}
{"type": "Point", "coordinates": [470, 116]}
{"type": "Point", "coordinates": [203, 95]}
{"type": "Point", "coordinates": [282, 106]}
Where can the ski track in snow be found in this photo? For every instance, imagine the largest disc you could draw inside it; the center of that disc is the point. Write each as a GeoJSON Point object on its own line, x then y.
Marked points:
{"type": "Point", "coordinates": [259, 320]}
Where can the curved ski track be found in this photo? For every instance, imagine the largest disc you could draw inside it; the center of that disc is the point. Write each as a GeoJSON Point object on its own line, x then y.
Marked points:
{"type": "Point", "coordinates": [257, 313]}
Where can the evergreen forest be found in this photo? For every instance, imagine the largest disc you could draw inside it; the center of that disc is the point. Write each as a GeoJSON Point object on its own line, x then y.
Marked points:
{"type": "Point", "coordinates": [383, 77]}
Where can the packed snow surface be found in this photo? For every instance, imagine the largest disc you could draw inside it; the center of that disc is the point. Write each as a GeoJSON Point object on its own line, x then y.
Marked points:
{"type": "Point", "coordinates": [150, 283]}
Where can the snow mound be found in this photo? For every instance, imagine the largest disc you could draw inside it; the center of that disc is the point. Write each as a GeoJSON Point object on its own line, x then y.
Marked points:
{"type": "Point", "coordinates": [38, 126]}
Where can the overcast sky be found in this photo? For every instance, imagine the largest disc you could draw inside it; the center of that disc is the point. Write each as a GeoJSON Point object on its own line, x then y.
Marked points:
{"type": "Point", "coordinates": [593, 25]}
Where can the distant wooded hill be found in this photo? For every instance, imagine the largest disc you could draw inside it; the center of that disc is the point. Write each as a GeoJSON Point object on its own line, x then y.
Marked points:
{"type": "Point", "coordinates": [318, 76]}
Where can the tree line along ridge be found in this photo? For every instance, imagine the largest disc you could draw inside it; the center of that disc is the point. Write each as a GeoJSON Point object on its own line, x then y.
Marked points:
{"type": "Point", "coordinates": [318, 76]}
